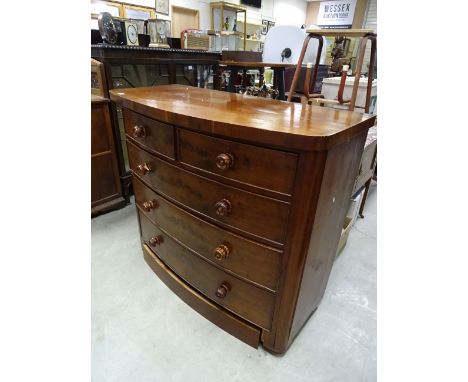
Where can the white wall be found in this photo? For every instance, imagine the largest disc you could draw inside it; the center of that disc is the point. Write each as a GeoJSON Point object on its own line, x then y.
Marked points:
{"type": "Point", "coordinates": [292, 12]}
{"type": "Point", "coordinates": [281, 11]}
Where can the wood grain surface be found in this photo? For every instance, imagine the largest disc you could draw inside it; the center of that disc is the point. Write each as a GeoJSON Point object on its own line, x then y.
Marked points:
{"type": "Point", "coordinates": [249, 302]}
{"type": "Point", "coordinates": [247, 259]}
{"type": "Point", "coordinates": [260, 167]}
{"type": "Point", "coordinates": [265, 121]}
{"type": "Point", "coordinates": [252, 214]}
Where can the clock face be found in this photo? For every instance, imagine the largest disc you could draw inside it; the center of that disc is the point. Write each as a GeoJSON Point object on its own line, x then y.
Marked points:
{"type": "Point", "coordinates": [132, 34]}
{"type": "Point", "coordinates": [161, 28]}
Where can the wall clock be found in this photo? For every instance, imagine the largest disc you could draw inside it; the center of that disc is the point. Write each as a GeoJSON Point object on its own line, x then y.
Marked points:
{"type": "Point", "coordinates": [131, 31]}
{"type": "Point", "coordinates": [162, 6]}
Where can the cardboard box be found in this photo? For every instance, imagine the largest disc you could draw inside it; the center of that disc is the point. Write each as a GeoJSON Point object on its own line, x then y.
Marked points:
{"type": "Point", "coordinates": [354, 205]}
{"type": "Point", "coordinates": [344, 234]}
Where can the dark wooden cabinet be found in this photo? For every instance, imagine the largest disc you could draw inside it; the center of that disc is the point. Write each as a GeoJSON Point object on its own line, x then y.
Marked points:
{"type": "Point", "coordinates": [241, 201]}
{"type": "Point", "coordinates": [106, 192]}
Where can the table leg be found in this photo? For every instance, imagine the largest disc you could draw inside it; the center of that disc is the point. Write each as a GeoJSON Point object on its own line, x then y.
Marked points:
{"type": "Point", "coordinates": [260, 77]}
{"type": "Point", "coordinates": [279, 77]}
{"type": "Point", "coordinates": [232, 79]}
{"type": "Point", "coordinates": [364, 197]}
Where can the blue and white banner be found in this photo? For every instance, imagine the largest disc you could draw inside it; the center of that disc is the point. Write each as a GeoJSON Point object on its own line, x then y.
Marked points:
{"type": "Point", "coordinates": [336, 14]}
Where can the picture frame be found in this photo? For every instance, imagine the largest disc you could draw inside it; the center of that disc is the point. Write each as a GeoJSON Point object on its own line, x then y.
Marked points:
{"type": "Point", "coordinates": [162, 7]}
{"type": "Point", "coordinates": [138, 12]}
{"type": "Point", "coordinates": [264, 27]}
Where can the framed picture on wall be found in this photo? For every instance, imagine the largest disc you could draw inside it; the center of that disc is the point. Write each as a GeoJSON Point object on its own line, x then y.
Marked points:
{"type": "Point", "coordinates": [138, 12]}
{"type": "Point", "coordinates": [162, 6]}
{"type": "Point", "coordinates": [264, 26]}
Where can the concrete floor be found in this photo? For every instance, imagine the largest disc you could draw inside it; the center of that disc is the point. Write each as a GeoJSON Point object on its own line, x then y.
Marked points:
{"type": "Point", "coordinates": [142, 332]}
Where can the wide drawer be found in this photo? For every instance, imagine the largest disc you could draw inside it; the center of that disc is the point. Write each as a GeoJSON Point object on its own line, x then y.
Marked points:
{"type": "Point", "coordinates": [153, 135]}
{"type": "Point", "coordinates": [231, 323]}
{"type": "Point", "coordinates": [251, 303]}
{"type": "Point", "coordinates": [247, 259]}
{"type": "Point", "coordinates": [257, 166]}
{"type": "Point", "coordinates": [245, 211]}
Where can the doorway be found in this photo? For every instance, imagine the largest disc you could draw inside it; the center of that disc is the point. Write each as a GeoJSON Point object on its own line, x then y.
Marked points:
{"type": "Point", "coordinates": [184, 18]}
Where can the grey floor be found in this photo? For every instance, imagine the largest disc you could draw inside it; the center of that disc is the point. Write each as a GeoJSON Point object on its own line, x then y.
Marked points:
{"type": "Point", "coordinates": [142, 332]}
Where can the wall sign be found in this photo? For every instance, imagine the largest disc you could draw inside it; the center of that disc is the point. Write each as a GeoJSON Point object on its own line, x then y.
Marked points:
{"type": "Point", "coordinates": [336, 14]}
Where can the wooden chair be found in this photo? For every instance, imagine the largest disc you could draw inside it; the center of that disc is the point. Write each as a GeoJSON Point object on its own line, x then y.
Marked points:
{"type": "Point", "coordinates": [365, 35]}
{"type": "Point", "coordinates": [369, 158]}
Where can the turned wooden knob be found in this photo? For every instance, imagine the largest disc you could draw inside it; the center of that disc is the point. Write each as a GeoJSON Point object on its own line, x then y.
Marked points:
{"type": "Point", "coordinates": [155, 240]}
{"type": "Point", "coordinates": [223, 207]}
{"type": "Point", "coordinates": [144, 168]}
{"type": "Point", "coordinates": [224, 161]}
{"type": "Point", "coordinates": [222, 290]}
{"type": "Point", "coordinates": [148, 206]}
{"type": "Point", "coordinates": [221, 252]}
{"type": "Point", "coordinates": [139, 131]}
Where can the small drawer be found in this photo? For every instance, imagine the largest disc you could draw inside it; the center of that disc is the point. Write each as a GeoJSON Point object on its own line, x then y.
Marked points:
{"type": "Point", "coordinates": [153, 135]}
{"type": "Point", "coordinates": [251, 303]}
{"type": "Point", "coordinates": [257, 166]}
{"type": "Point", "coordinates": [247, 212]}
{"type": "Point", "coordinates": [252, 261]}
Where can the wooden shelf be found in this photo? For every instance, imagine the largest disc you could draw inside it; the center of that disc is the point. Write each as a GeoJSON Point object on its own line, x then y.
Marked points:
{"type": "Point", "coordinates": [258, 23]}
{"type": "Point", "coordinates": [341, 32]}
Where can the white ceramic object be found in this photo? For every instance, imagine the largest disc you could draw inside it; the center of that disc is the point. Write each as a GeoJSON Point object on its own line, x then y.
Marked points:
{"type": "Point", "coordinates": [289, 36]}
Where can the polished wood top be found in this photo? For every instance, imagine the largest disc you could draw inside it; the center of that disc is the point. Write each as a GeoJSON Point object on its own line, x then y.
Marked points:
{"type": "Point", "coordinates": [265, 121]}
{"type": "Point", "coordinates": [258, 64]}
{"type": "Point", "coordinates": [341, 32]}
{"type": "Point", "coordinates": [98, 99]}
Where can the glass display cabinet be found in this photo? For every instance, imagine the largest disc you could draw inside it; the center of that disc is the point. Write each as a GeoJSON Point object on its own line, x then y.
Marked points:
{"type": "Point", "coordinates": [225, 18]}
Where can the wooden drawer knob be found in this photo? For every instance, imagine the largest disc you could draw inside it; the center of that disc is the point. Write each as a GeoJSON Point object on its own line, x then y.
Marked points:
{"type": "Point", "coordinates": [148, 206]}
{"type": "Point", "coordinates": [144, 168]}
{"type": "Point", "coordinates": [224, 161]}
{"type": "Point", "coordinates": [155, 240]}
{"type": "Point", "coordinates": [222, 290]}
{"type": "Point", "coordinates": [221, 252]}
{"type": "Point", "coordinates": [223, 207]}
{"type": "Point", "coordinates": [139, 131]}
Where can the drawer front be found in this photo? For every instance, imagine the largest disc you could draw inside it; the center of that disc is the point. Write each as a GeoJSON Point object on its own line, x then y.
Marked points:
{"type": "Point", "coordinates": [252, 261]}
{"type": "Point", "coordinates": [257, 166]}
{"type": "Point", "coordinates": [155, 136]}
{"type": "Point", "coordinates": [249, 302]}
{"type": "Point", "coordinates": [251, 213]}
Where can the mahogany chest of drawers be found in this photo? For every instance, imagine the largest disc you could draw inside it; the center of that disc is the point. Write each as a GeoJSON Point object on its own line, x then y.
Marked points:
{"type": "Point", "coordinates": [241, 201]}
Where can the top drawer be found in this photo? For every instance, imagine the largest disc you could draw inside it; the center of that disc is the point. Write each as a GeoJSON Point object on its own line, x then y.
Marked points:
{"type": "Point", "coordinates": [257, 166]}
{"type": "Point", "coordinates": [154, 136]}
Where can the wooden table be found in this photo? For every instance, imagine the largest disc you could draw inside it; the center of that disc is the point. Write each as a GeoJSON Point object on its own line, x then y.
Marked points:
{"type": "Point", "coordinates": [278, 72]}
